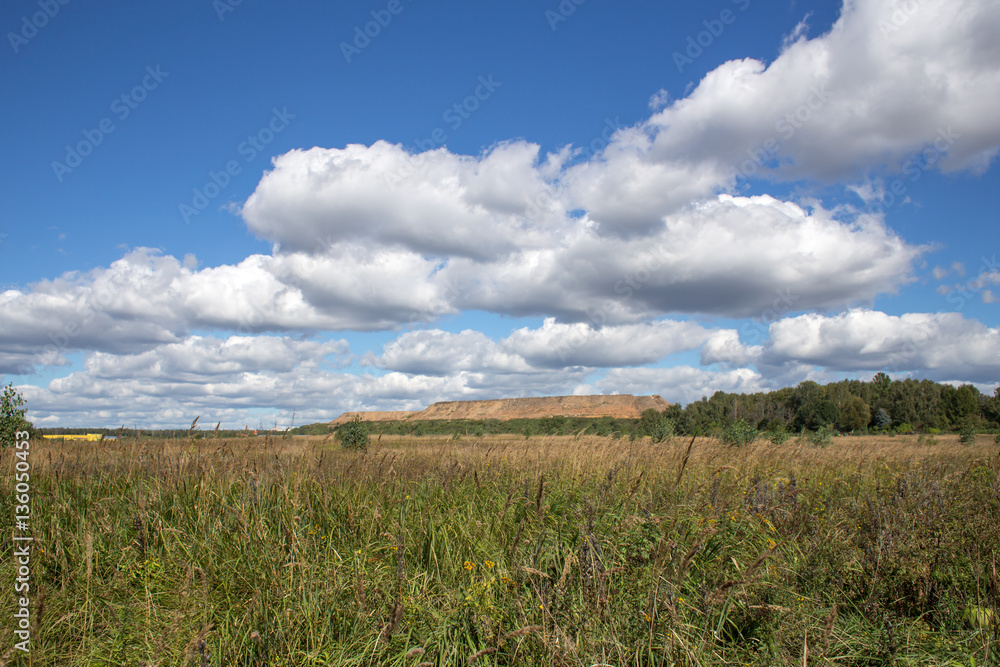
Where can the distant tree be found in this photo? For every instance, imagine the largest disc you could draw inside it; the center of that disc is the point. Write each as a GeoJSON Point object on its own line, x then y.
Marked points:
{"type": "Point", "coordinates": [699, 417]}
{"type": "Point", "coordinates": [880, 386]}
{"type": "Point", "coordinates": [648, 420]}
{"type": "Point", "coordinates": [662, 430]}
{"type": "Point", "coordinates": [558, 424]}
{"type": "Point", "coordinates": [855, 414]}
{"type": "Point", "coordinates": [967, 431]}
{"type": "Point", "coordinates": [678, 415]}
{"type": "Point", "coordinates": [923, 403]}
{"type": "Point", "coordinates": [807, 392]}
{"type": "Point", "coordinates": [882, 419]}
{"type": "Point", "coordinates": [959, 403]}
{"type": "Point", "coordinates": [991, 406]}
{"type": "Point", "coordinates": [816, 413]}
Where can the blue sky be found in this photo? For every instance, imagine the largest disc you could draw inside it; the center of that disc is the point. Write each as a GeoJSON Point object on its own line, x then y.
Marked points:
{"type": "Point", "coordinates": [243, 210]}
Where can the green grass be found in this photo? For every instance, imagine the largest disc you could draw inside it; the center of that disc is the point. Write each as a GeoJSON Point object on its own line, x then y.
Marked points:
{"type": "Point", "coordinates": [547, 551]}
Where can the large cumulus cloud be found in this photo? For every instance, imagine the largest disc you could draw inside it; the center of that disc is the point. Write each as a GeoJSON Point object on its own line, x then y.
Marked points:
{"type": "Point", "coordinates": [625, 255]}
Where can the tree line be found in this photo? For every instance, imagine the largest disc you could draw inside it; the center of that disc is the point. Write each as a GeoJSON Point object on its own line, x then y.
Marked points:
{"type": "Point", "coordinates": [848, 406]}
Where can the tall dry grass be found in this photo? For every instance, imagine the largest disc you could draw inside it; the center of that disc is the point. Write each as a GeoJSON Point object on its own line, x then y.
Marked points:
{"type": "Point", "coordinates": [505, 550]}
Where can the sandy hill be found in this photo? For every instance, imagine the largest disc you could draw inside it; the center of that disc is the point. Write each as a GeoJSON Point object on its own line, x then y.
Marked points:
{"type": "Point", "coordinates": [624, 406]}
{"type": "Point", "coordinates": [386, 416]}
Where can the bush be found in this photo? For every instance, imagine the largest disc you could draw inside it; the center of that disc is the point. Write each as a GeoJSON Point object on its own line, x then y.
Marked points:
{"type": "Point", "coordinates": [662, 429]}
{"type": "Point", "coordinates": [354, 434]}
{"type": "Point", "coordinates": [777, 434]}
{"type": "Point", "coordinates": [822, 437]}
{"type": "Point", "coordinates": [12, 415]}
{"type": "Point", "coordinates": [967, 433]}
{"type": "Point", "coordinates": [738, 433]}
{"type": "Point", "coordinates": [882, 420]}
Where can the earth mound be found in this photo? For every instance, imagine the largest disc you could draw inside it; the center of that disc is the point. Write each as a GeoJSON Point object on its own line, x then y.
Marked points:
{"type": "Point", "coordinates": [385, 416]}
{"type": "Point", "coordinates": [619, 406]}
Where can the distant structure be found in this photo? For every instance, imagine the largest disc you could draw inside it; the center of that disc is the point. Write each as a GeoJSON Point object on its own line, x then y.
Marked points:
{"type": "Point", "coordinates": [619, 406]}
{"type": "Point", "coordinates": [93, 437]}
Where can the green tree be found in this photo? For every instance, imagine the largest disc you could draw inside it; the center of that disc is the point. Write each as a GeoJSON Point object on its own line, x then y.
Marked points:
{"type": "Point", "coordinates": [880, 386]}
{"type": "Point", "coordinates": [806, 392]}
{"type": "Point", "coordinates": [12, 416]}
{"type": "Point", "coordinates": [679, 416]}
{"type": "Point", "coordinates": [959, 403]}
{"type": "Point", "coordinates": [662, 429]}
{"type": "Point", "coordinates": [648, 421]}
{"type": "Point", "coordinates": [967, 431]}
{"type": "Point", "coordinates": [354, 434]}
{"type": "Point", "coordinates": [991, 406]}
{"type": "Point", "coordinates": [816, 412]}
{"type": "Point", "coordinates": [855, 414]}
{"type": "Point", "coordinates": [882, 419]}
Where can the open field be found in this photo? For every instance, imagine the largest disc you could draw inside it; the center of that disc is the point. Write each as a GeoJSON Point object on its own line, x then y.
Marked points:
{"type": "Point", "coordinates": [503, 550]}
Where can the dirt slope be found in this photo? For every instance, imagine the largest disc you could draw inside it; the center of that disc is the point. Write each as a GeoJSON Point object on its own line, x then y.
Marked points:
{"type": "Point", "coordinates": [624, 406]}
{"type": "Point", "coordinates": [387, 416]}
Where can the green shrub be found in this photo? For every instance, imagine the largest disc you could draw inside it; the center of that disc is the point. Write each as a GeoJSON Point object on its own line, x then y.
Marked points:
{"type": "Point", "coordinates": [904, 428]}
{"type": "Point", "coordinates": [662, 429]}
{"type": "Point", "coordinates": [354, 434]}
{"type": "Point", "coordinates": [12, 415]}
{"type": "Point", "coordinates": [738, 433]}
{"type": "Point", "coordinates": [934, 431]}
{"type": "Point", "coordinates": [821, 437]}
{"type": "Point", "coordinates": [777, 434]}
{"type": "Point", "coordinates": [967, 433]}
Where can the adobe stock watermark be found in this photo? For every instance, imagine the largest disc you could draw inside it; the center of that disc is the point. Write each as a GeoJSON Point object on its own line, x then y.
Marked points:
{"type": "Point", "coordinates": [989, 274]}
{"type": "Point", "coordinates": [223, 7]}
{"type": "Point", "coordinates": [917, 335]}
{"type": "Point", "coordinates": [363, 35]}
{"type": "Point", "coordinates": [562, 12]}
{"type": "Point", "coordinates": [785, 128]}
{"type": "Point", "coordinates": [549, 194]}
{"type": "Point", "coordinates": [454, 116]}
{"type": "Point", "coordinates": [914, 340]}
{"type": "Point", "coordinates": [257, 320]}
{"type": "Point", "coordinates": [30, 25]}
{"type": "Point", "coordinates": [22, 540]}
{"type": "Point", "coordinates": [122, 107]}
{"type": "Point", "coordinates": [902, 10]}
{"type": "Point", "coordinates": [248, 149]}
{"type": "Point", "coordinates": [698, 43]}
{"type": "Point", "coordinates": [913, 168]}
